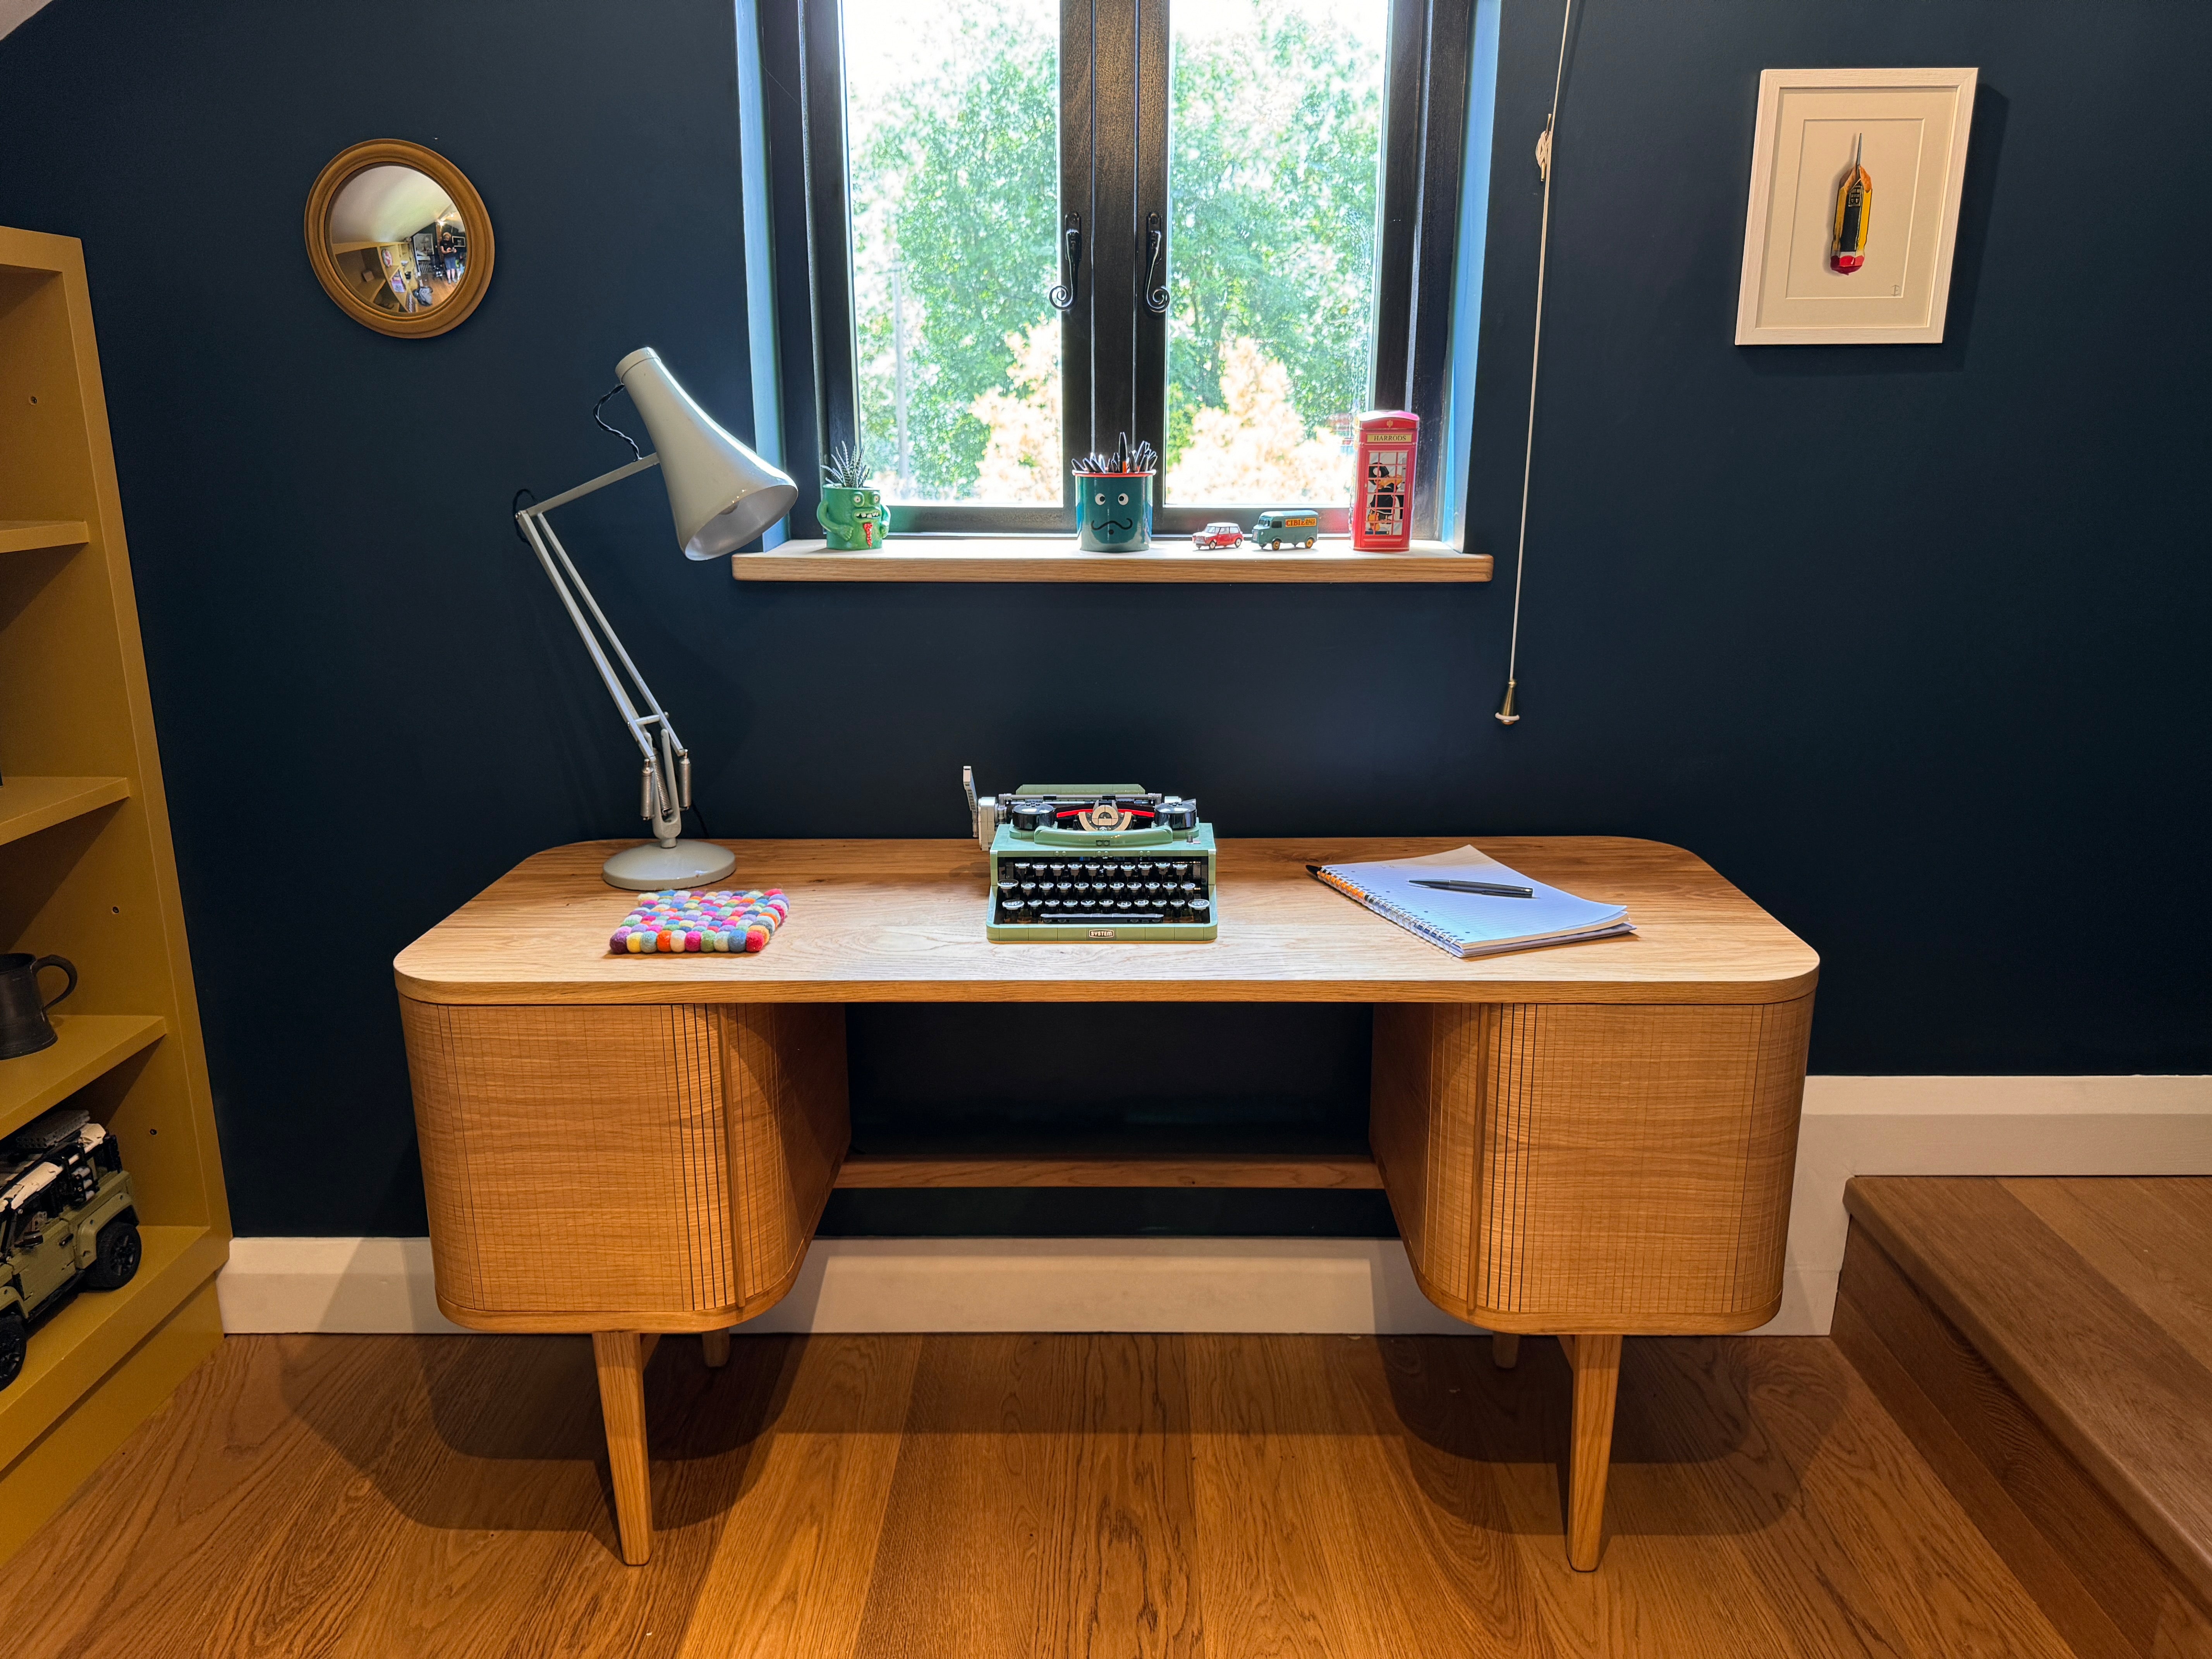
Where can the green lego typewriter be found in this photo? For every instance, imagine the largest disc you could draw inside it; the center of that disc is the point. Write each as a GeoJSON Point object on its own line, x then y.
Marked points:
{"type": "Point", "coordinates": [1083, 861]}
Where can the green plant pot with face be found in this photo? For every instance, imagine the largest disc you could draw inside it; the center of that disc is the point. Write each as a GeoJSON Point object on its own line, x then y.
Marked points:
{"type": "Point", "coordinates": [1113, 512]}
{"type": "Point", "coordinates": [852, 520]}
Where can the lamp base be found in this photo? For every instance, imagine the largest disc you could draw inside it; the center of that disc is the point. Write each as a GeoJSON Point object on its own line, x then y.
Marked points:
{"type": "Point", "coordinates": [650, 867]}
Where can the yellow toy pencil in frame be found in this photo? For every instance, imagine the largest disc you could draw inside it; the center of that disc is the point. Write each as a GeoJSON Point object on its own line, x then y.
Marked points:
{"type": "Point", "coordinates": [1854, 213]}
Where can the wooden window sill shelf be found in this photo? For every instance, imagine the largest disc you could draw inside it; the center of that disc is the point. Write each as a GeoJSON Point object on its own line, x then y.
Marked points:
{"type": "Point", "coordinates": [1057, 559]}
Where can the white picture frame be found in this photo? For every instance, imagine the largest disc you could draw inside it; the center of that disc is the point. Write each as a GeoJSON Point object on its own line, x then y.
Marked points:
{"type": "Point", "coordinates": [1909, 127]}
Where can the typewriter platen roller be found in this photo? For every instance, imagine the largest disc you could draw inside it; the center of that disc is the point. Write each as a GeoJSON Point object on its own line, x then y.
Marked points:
{"type": "Point", "coordinates": [1094, 861]}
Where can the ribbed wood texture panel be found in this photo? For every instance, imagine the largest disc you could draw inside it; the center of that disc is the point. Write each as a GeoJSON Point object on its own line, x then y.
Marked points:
{"type": "Point", "coordinates": [784, 1064]}
{"type": "Point", "coordinates": [1565, 1167]}
{"type": "Point", "coordinates": [636, 1167]}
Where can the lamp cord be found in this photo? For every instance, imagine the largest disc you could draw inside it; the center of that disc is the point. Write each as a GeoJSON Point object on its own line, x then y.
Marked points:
{"type": "Point", "coordinates": [635, 453]}
{"type": "Point", "coordinates": [1505, 715]}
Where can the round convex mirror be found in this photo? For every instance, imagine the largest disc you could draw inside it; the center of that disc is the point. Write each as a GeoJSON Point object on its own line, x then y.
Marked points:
{"type": "Point", "coordinates": [399, 238]}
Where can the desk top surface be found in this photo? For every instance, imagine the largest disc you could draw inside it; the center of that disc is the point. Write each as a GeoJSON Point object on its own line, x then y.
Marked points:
{"type": "Point", "coordinates": [902, 921]}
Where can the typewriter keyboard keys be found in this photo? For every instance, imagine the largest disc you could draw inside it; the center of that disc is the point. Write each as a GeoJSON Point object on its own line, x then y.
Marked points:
{"type": "Point", "coordinates": [1201, 910]}
{"type": "Point", "coordinates": [1181, 870]}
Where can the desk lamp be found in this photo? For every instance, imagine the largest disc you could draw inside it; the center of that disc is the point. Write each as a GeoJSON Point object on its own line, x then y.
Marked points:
{"type": "Point", "coordinates": [721, 495]}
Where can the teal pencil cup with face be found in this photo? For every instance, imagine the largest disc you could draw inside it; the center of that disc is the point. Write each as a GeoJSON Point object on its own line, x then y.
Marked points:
{"type": "Point", "coordinates": [1113, 512]}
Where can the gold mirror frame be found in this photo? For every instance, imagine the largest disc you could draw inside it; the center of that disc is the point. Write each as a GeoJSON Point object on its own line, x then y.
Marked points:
{"type": "Point", "coordinates": [468, 294]}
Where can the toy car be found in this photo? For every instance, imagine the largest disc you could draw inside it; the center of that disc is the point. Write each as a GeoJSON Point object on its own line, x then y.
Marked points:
{"type": "Point", "coordinates": [1227, 533]}
{"type": "Point", "coordinates": [1295, 526]}
{"type": "Point", "coordinates": [65, 1219]}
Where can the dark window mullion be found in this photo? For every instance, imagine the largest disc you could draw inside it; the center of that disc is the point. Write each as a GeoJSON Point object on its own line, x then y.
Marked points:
{"type": "Point", "coordinates": [1444, 127]}
{"type": "Point", "coordinates": [783, 81]}
{"type": "Point", "coordinates": [1149, 392]}
{"type": "Point", "coordinates": [1396, 213]}
{"type": "Point", "coordinates": [830, 190]}
{"type": "Point", "coordinates": [1114, 210]}
{"type": "Point", "coordinates": [1077, 115]}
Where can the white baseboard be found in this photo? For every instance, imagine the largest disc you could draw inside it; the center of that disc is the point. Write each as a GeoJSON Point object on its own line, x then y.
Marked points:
{"type": "Point", "coordinates": [1852, 1125]}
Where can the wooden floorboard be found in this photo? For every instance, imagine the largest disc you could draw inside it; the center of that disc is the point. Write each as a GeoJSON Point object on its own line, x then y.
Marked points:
{"type": "Point", "coordinates": [1105, 1496]}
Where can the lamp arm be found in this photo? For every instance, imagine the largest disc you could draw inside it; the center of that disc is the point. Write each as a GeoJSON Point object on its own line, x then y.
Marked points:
{"type": "Point", "coordinates": [666, 783]}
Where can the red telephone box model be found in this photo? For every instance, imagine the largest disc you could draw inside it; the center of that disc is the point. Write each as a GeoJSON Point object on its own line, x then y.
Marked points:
{"type": "Point", "coordinates": [1383, 490]}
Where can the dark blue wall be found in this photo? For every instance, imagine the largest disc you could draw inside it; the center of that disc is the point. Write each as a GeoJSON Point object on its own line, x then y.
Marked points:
{"type": "Point", "coordinates": [1908, 642]}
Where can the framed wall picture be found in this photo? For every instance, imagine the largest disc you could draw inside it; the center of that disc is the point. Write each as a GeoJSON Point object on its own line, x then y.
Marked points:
{"type": "Point", "coordinates": [1854, 206]}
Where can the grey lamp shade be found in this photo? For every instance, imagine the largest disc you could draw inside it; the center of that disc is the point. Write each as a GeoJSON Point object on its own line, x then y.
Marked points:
{"type": "Point", "coordinates": [722, 494]}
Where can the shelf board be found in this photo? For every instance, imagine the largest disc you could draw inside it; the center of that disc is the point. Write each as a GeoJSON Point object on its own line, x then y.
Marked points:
{"type": "Point", "coordinates": [1204, 1170]}
{"type": "Point", "coordinates": [94, 1332]}
{"type": "Point", "coordinates": [90, 1045]}
{"type": "Point", "coordinates": [26, 535]}
{"type": "Point", "coordinates": [30, 805]}
{"type": "Point", "coordinates": [1057, 559]}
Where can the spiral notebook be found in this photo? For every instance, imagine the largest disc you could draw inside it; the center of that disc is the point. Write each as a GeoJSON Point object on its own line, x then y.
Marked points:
{"type": "Point", "coordinates": [1473, 923]}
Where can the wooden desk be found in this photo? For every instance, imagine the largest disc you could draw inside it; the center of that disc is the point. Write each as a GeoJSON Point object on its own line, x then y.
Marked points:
{"type": "Point", "coordinates": [1585, 1141]}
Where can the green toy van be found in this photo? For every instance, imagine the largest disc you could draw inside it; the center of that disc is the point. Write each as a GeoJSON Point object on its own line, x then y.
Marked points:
{"type": "Point", "coordinates": [1287, 527]}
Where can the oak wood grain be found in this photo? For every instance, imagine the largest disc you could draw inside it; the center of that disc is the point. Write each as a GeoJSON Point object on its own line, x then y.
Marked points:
{"type": "Point", "coordinates": [1595, 1361]}
{"type": "Point", "coordinates": [1595, 1168]}
{"type": "Point", "coordinates": [1878, 1306]}
{"type": "Point", "coordinates": [849, 1497]}
{"type": "Point", "coordinates": [1043, 1504]}
{"type": "Point", "coordinates": [902, 920]}
{"type": "Point", "coordinates": [2113, 1585]}
{"type": "Point", "coordinates": [620, 1358]}
{"type": "Point", "coordinates": [689, 1148]}
{"type": "Point", "coordinates": [2060, 1334]}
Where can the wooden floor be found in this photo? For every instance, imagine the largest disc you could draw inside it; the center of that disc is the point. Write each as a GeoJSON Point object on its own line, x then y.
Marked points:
{"type": "Point", "coordinates": [981, 1496]}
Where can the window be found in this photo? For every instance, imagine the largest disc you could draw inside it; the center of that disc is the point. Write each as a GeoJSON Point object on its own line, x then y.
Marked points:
{"type": "Point", "coordinates": [1006, 233]}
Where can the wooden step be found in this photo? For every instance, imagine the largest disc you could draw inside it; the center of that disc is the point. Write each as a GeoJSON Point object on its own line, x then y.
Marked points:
{"type": "Point", "coordinates": [2048, 1344]}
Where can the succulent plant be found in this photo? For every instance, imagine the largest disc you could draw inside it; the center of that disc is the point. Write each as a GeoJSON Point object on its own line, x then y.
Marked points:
{"type": "Point", "coordinates": [846, 468]}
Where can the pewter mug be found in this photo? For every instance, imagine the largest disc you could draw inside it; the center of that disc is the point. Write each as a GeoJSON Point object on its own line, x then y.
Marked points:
{"type": "Point", "coordinates": [24, 1029]}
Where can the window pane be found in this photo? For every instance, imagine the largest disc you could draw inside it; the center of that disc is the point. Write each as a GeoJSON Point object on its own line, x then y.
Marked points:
{"type": "Point", "coordinates": [1275, 156]}
{"type": "Point", "coordinates": [952, 113]}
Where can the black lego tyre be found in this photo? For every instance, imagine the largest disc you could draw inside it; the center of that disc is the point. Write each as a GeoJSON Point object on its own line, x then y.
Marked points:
{"type": "Point", "coordinates": [117, 1255]}
{"type": "Point", "coordinates": [13, 1341]}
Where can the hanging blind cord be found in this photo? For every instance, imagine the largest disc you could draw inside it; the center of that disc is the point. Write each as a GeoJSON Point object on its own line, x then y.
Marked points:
{"type": "Point", "coordinates": [1505, 715]}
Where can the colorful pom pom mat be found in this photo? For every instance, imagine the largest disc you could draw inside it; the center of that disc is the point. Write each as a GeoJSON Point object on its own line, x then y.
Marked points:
{"type": "Point", "coordinates": [682, 921]}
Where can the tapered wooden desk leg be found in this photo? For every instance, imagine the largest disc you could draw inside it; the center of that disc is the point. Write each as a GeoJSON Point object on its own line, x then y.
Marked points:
{"type": "Point", "coordinates": [1596, 1362]}
{"type": "Point", "coordinates": [716, 1346]}
{"type": "Point", "coordinates": [1504, 1349]}
{"type": "Point", "coordinates": [620, 1356]}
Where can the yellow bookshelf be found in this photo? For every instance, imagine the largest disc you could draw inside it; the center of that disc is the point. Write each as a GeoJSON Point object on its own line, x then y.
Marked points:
{"type": "Point", "coordinates": [86, 872]}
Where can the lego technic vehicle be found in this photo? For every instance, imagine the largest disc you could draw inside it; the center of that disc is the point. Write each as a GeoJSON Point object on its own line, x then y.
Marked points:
{"type": "Point", "coordinates": [66, 1221]}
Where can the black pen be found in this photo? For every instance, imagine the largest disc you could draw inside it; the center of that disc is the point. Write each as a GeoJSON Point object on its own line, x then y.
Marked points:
{"type": "Point", "coordinates": [1490, 889]}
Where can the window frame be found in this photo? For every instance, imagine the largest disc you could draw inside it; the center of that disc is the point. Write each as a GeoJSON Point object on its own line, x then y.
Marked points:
{"type": "Point", "coordinates": [1114, 143]}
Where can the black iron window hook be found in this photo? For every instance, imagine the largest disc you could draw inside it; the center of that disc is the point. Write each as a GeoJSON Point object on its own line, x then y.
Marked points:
{"type": "Point", "coordinates": [1062, 294]}
{"type": "Point", "coordinates": [1155, 296]}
